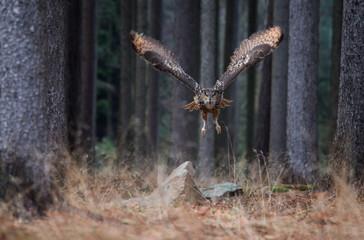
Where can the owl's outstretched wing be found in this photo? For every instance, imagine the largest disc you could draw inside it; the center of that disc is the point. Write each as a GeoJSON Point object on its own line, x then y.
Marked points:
{"type": "Point", "coordinates": [250, 52]}
{"type": "Point", "coordinates": [161, 59]}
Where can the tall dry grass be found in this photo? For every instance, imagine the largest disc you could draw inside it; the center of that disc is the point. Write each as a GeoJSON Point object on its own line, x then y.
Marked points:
{"type": "Point", "coordinates": [91, 208]}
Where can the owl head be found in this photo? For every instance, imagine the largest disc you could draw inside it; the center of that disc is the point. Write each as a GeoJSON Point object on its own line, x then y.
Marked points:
{"type": "Point", "coordinates": [208, 97]}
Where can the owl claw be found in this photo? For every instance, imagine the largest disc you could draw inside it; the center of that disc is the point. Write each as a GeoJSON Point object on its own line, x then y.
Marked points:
{"type": "Point", "coordinates": [218, 129]}
{"type": "Point", "coordinates": [203, 132]}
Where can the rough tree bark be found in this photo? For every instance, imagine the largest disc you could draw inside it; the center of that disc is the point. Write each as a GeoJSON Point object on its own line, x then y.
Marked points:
{"type": "Point", "coordinates": [208, 77]}
{"type": "Point", "coordinates": [302, 139]}
{"type": "Point", "coordinates": [31, 52]}
{"type": "Point", "coordinates": [348, 154]}
{"type": "Point", "coordinates": [184, 126]}
{"type": "Point", "coordinates": [56, 72]}
{"type": "Point", "coordinates": [277, 136]}
{"type": "Point", "coordinates": [153, 81]}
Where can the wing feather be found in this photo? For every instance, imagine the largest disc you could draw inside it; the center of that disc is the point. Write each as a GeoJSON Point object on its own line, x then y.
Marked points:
{"type": "Point", "coordinates": [161, 59]}
{"type": "Point", "coordinates": [250, 52]}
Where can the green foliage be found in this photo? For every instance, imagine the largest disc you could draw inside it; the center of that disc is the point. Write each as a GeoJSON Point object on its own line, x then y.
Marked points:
{"type": "Point", "coordinates": [108, 71]}
{"type": "Point", "coordinates": [286, 188]}
{"type": "Point", "coordinates": [105, 150]}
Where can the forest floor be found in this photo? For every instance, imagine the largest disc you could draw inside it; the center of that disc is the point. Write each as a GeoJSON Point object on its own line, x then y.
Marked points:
{"type": "Point", "coordinates": [92, 209]}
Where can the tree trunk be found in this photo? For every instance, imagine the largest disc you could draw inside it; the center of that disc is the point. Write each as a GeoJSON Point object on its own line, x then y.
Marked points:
{"type": "Point", "coordinates": [56, 72]}
{"type": "Point", "coordinates": [153, 80]}
{"type": "Point", "coordinates": [124, 148]}
{"type": "Point", "coordinates": [261, 140]}
{"type": "Point", "coordinates": [226, 142]}
{"type": "Point", "coordinates": [72, 73]}
{"type": "Point", "coordinates": [208, 77]}
{"type": "Point", "coordinates": [277, 136]}
{"type": "Point", "coordinates": [140, 93]}
{"type": "Point", "coordinates": [81, 82]}
{"type": "Point", "coordinates": [86, 115]}
{"type": "Point", "coordinates": [184, 126]}
{"type": "Point", "coordinates": [302, 140]}
{"type": "Point", "coordinates": [348, 152]}
{"type": "Point", "coordinates": [252, 28]}
{"type": "Point", "coordinates": [335, 70]}
{"type": "Point", "coordinates": [31, 38]}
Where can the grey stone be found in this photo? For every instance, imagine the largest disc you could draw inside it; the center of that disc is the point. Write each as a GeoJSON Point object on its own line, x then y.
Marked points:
{"type": "Point", "coordinates": [222, 190]}
{"type": "Point", "coordinates": [178, 187]}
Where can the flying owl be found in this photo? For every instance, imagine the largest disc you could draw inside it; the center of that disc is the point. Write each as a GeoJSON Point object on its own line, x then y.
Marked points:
{"type": "Point", "coordinates": [209, 100]}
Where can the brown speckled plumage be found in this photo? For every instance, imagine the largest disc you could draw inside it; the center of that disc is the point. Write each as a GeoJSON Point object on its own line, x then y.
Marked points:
{"type": "Point", "coordinates": [209, 100]}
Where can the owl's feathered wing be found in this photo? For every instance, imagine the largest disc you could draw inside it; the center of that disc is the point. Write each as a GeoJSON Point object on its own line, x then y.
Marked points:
{"type": "Point", "coordinates": [161, 59]}
{"type": "Point", "coordinates": [250, 52]}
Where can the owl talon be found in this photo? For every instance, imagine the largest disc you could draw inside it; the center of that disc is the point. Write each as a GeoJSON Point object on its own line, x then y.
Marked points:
{"type": "Point", "coordinates": [203, 132]}
{"type": "Point", "coordinates": [218, 129]}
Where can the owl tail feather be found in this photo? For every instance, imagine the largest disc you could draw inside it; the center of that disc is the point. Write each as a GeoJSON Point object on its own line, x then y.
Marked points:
{"type": "Point", "coordinates": [191, 106]}
{"type": "Point", "coordinates": [225, 103]}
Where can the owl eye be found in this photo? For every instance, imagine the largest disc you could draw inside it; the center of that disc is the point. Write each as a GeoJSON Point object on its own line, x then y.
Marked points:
{"type": "Point", "coordinates": [206, 95]}
{"type": "Point", "coordinates": [213, 95]}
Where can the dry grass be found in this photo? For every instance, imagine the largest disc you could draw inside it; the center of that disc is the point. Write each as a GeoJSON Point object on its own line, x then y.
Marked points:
{"type": "Point", "coordinates": [92, 209]}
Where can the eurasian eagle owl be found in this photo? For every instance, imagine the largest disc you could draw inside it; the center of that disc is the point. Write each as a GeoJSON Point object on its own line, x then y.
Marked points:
{"type": "Point", "coordinates": [209, 100]}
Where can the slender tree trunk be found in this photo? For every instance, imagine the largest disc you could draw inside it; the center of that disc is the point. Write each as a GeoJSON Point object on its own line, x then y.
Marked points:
{"type": "Point", "coordinates": [73, 74]}
{"type": "Point", "coordinates": [252, 27]}
{"type": "Point", "coordinates": [153, 79]}
{"type": "Point", "coordinates": [28, 98]}
{"type": "Point", "coordinates": [226, 142]}
{"type": "Point", "coordinates": [262, 128]}
{"type": "Point", "coordinates": [302, 140]}
{"type": "Point", "coordinates": [208, 77]}
{"type": "Point", "coordinates": [81, 79]}
{"type": "Point", "coordinates": [87, 94]}
{"type": "Point", "coordinates": [125, 105]}
{"type": "Point", "coordinates": [140, 87]}
{"type": "Point", "coordinates": [348, 151]}
{"type": "Point", "coordinates": [277, 136]}
{"type": "Point", "coordinates": [184, 127]}
{"type": "Point", "coordinates": [335, 70]}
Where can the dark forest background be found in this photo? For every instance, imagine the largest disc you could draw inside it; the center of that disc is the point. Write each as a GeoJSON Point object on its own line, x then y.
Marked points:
{"type": "Point", "coordinates": [231, 19]}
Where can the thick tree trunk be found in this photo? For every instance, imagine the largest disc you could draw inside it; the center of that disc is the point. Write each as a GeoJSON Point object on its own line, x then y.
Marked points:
{"type": "Point", "coordinates": [261, 139]}
{"type": "Point", "coordinates": [140, 93]}
{"type": "Point", "coordinates": [302, 140]}
{"type": "Point", "coordinates": [335, 70]}
{"type": "Point", "coordinates": [208, 77]}
{"type": "Point", "coordinates": [252, 27]}
{"type": "Point", "coordinates": [32, 52]}
{"type": "Point", "coordinates": [348, 152]}
{"type": "Point", "coordinates": [184, 126]}
{"type": "Point", "coordinates": [226, 142]}
{"type": "Point", "coordinates": [277, 136]}
{"type": "Point", "coordinates": [153, 80]}
{"type": "Point", "coordinates": [125, 106]}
